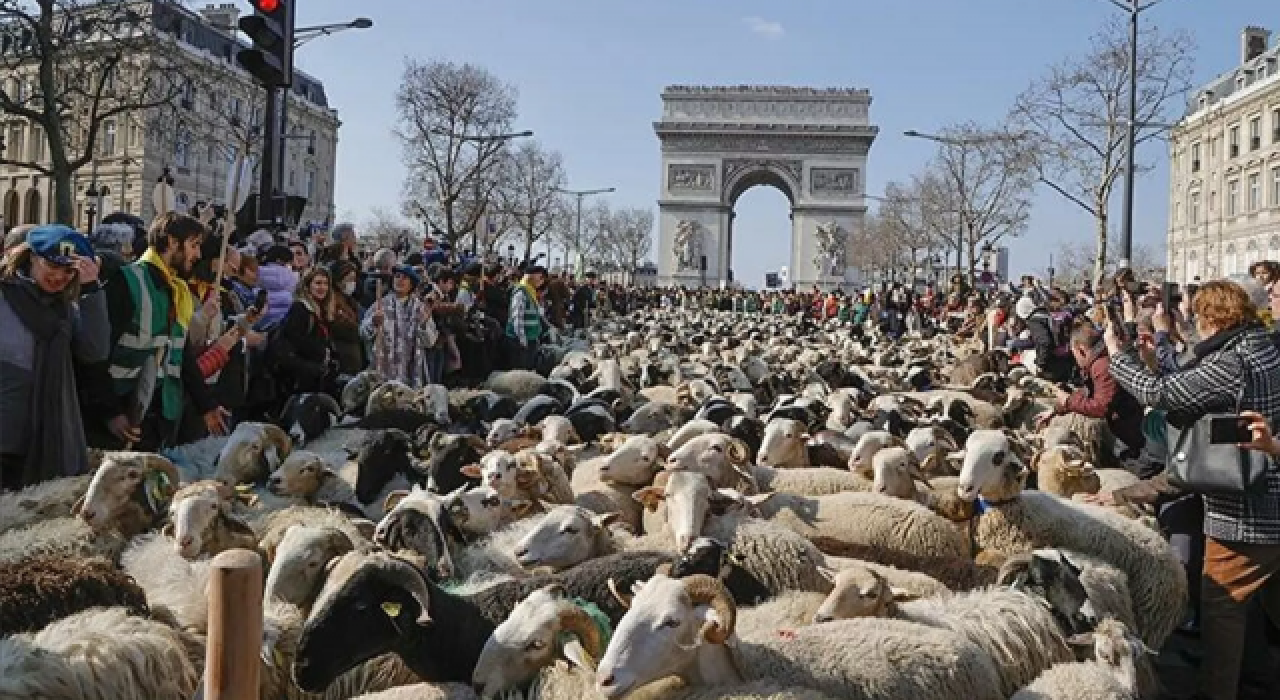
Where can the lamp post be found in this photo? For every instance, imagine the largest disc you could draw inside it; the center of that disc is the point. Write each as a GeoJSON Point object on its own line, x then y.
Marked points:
{"type": "Point", "coordinates": [91, 196]}
{"type": "Point", "coordinates": [1134, 8]}
{"type": "Point", "coordinates": [577, 243]}
{"type": "Point", "coordinates": [302, 35]}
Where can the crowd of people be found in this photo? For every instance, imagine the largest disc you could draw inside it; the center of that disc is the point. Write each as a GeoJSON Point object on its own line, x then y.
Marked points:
{"type": "Point", "coordinates": [142, 338]}
{"type": "Point", "coordinates": [157, 336]}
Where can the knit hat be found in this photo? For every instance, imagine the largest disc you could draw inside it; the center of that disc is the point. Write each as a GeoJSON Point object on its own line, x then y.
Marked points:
{"type": "Point", "coordinates": [408, 272]}
{"type": "Point", "coordinates": [59, 244]}
{"type": "Point", "coordinates": [1024, 308]}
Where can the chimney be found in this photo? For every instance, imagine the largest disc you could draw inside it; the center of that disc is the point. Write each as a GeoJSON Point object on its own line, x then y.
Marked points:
{"type": "Point", "coordinates": [1253, 43]}
{"type": "Point", "coordinates": [222, 16]}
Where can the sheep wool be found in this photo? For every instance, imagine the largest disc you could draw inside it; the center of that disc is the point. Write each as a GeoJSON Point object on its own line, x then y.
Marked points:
{"type": "Point", "coordinates": [40, 590]}
{"type": "Point", "coordinates": [42, 501]}
{"type": "Point", "coordinates": [60, 537]}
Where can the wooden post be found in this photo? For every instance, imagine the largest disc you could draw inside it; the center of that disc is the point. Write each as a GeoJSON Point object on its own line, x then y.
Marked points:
{"type": "Point", "coordinates": [234, 643]}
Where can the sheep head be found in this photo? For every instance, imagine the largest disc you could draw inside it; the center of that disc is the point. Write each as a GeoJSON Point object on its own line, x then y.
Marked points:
{"type": "Point", "coordinates": [122, 478]}
{"type": "Point", "coordinates": [202, 520]}
{"type": "Point", "coordinates": [857, 591]}
{"type": "Point", "coordinates": [990, 468]}
{"type": "Point", "coordinates": [300, 475]}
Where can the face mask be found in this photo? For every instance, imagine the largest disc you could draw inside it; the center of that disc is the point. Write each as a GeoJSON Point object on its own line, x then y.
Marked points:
{"type": "Point", "coordinates": [349, 288]}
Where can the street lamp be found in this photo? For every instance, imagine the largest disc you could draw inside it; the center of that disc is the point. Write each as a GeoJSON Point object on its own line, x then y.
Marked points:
{"type": "Point", "coordinates": [1134, 8]}
{"type": "Point", "coordinates": [92, 194]}
{"type": "Point", "coordinates": [302, 35]}
{"type": "Point", "coordinates": [577, 243]}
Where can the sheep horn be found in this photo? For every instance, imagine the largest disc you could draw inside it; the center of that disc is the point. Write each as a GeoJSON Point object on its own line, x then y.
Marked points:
{"type": "Point", "coordinates": [403, 574]}
{"type": "Point", "coordinates": [577, 622]}
{"type": "Point", "coordinates": [329, 403]}
{"type": "Point", "coordinates": [704, 590]}
{"type": "Point", "coordinates": [152, 462]}
{"type": "Point", "coordinates": [278, 438]}
{"type": "Point", "coordinates": [1013, 567]}
{"type": "Point", "coordinates": [737, 451]}
{"type": "Point", "coordinates": [623, 598]}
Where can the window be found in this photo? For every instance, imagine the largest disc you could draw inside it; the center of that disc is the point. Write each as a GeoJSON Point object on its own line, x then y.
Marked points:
{"type": "Point", "coordinates": [311, 184]}
{"type": "Point", "coordinates": [1195, 157]}
{"type": "Point", "coordinates": [1193, 209]}
{"type": "Point", "coordinates": [213, 148]}
{"type": "Point", "coordinates": [181, 147]}
{"type": "Point", "coordinates": [1255, 192]}
{"type": "Point", "coordinates": [15, 144]}
{"type": "Point", "coordinates": [1233, 197]}
{"type": "Point", "coordinates": [1231, 261]}
{"type": "Point", "coordinates": [1275, 186]}
{"type": "Point", "coordinates": [1233, 141]}
{"type": "Point", "coordinates": [1213, 148]}
{"type": "Point", "coordinates": [1193, 266]}
{"type": "Point", "coordinates": [1213, 202]}
{"type": "Point", "coordinates": [293, 179]}
{"type": "Point", "coordinates": [1255, 133]}
{"type": "Point", "coordinates": [236, 110]}
{"type": "Point", "coordinates": [188, 95]}
{"type": "Point", "coordinates": [109, 137]}
{"type": "Point", "coordinates": [1177, 212]}
{"type": "Point", "coordinates": [135, 135]}
{"type": "Point", "coordinates": [1275, 125]}
{"type": "Point", "coordinates": [35, 150]}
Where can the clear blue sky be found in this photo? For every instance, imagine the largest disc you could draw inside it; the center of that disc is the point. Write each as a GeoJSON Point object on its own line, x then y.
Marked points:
{"type": "Point", "coordinates": [589, 76]}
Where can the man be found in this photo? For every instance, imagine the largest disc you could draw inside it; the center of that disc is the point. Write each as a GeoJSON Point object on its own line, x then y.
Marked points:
{"type": "Point", "coordinates": [557, 299]}
{"type": "Point", "coordinates": [150, 306]}
{"type": "Point", "coordinates": [526, 322]}
{"type": "Point", "coordinates": [301, 257]}
{"type": "Point", "coordinates": [1101, 397]}
{"type": "Point", "coordinates": [432, 252]}
{"type": "Point", "coordinates": [343, 247]}
{"type": "Point", "coordinates": [470, 286]}
{"type": "Point", "coordinates": [496, 294]}
{"type": "Point", "coordinates": [377, 276]}
{"type": "Point", "coordinates": [584, 298]}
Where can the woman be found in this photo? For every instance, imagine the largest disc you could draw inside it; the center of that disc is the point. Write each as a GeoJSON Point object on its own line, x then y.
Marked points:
{"type": "Point", "coordinates": [401, 329]}
{"type": "Point", "coordinates": [302, 350]}
{"type": "Point", "coordinates": [1267, 273]}
{"type": "Point", "coordinates": [348, 346]}
{"type": "Point", "coordinates": [1235, 366]}
{"type": "Point", "coordinates": [54, 314]}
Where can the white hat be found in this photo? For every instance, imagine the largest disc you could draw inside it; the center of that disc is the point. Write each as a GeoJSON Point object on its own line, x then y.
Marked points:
{"type": "Point", "coordinates": [1024, 307]}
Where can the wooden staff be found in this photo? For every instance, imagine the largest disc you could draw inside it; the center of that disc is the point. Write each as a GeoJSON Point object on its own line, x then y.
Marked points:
{"type": "Point", "coordinates": [377, 338]}
{"type": "Point", "coordinates": [232, 204]}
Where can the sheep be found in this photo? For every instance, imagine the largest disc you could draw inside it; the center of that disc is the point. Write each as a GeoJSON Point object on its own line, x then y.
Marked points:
{"type": "Point", "coordinates": [559, 429]}
{"type": "Point", "coordinates": [784, 444]}
{"type": "Point", "coordinates": [1062, 471]}
{"type": "Point", "coordinates": [304, 476]}
{"type": "Point", "coordinates": [930, 445]}
{"type": "Point", "coordinates": [481, 511]}
{"type": "Point", "coordinates": [424, 691]}
{"type": "Point", "coordinates": [43, 501]}
{"type": "Point", "coordinates": [202, 521]}
{"type": "Point", "coordinates": [251, 452]}
{"type": "Point", "coordinates": [1092, 435]}
{"type": "Point", "coordinates": [348, 622]}
{"type": "Point", "coordinates": [1016, 521]}
{"type": "Point", "coordinates": [652, 418]}
{"type": "Point", "coordinates": [526, 475]}
{"type": "Point", "coordinates": [67, 537]}
{"type": "Point", "coordinates": [384, 464]}
{"type": "Point", "coordinates": [40, 590]}
{"type": "Point", "coordinates": [355, 394]}
{"type": "Point", "coordinates": [896, 471]}
{"type": "Point", "coordinates": [299, 561]}
{"type": "Point", "coordinates": [503, 430]}
{"type": "Point", "coordinates": [690, 430]}
{"type": "Point", "coordinates": [1112, 674]}
{"type": "Point", "coordinates": [595, 489]}
{"type": "Point", "coordinates": [99, 654]}
{"type": "Point", "coordinates": [173, 585]}
{"type": "Point", "coordinates": [721, 458]}
{"type": "Point", "coordinates": [568, 535]}
{"type": "Point", "coordinates": [129, 493]}
{"type": "Point", "coordinates": [668, 619]}
{"type": "Point", "coordinates": [866, 448]}
{"type": "Point", "coordinates": [517, 384]}
{"type": "Point", "coordinates": [389, 396]}
{"type": "Point", "coordinates": [307, 416]}
{"type": "Point", "coordinates": [811, 481]}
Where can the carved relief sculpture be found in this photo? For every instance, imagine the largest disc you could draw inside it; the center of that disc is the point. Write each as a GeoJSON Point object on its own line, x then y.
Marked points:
{"type": "Point", "coordinates": [690, 177]}
{"type": "Point", "coordinates": [842, 181]}
{"type": "Point", "coordinates": [687, 245]}
{"type": "Point", "coordinates": [830, 257]}
{"type": "Point", "coordinates": [735, 166]}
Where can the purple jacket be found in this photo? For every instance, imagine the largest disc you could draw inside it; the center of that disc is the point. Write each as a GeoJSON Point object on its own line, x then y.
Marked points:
{"type": "Point", "coordinates": [280, 283]}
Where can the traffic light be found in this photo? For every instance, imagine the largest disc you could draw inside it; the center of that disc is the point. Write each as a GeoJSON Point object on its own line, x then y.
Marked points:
{"type": "Point", "coordinates": [270, 28]}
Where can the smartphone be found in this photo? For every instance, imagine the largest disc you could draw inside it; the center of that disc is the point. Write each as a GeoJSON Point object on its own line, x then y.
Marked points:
{"type": "Point", "coordinates": [1229, 430]}
{"type": "Point", "coordinates": [260, 301]}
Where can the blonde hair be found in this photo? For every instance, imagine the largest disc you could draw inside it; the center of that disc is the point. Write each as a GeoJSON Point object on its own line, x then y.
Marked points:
{"type": "Point", "coordinates": [1224, 304]}
{"type": "Point", "coordinates": [17, 262]}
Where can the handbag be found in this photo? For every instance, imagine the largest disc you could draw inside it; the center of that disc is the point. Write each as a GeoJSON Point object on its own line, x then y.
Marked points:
{"type": "Point", "coordinates": [1198, 465]}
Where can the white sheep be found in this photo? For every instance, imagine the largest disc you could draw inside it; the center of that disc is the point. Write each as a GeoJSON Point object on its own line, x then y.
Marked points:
{"type": "Point", "coordinates": [1017, 521]}
{"type": "Point", "coordinates": [203, 521]}
{"type": "Point", "coordinates": [895, 472]}
{"type": "Point", "coordinates": [251, 452]}
{"type": "Point", "coordinates": [785, 444]}
{"type": "Point", "coordinates": [685, 628]}
{"type": "Point", "coordinates": [1113, 673]}
{"type": "Point", "coordinates": [308, 479]}
{"type": "Point", "coordinates": [43, 501]}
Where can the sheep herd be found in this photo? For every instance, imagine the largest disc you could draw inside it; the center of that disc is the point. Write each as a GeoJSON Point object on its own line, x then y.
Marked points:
{"type": "Point", "coordinates": [685, 504]}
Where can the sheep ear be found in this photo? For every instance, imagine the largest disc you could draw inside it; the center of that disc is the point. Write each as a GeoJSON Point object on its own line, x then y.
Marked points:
{"type": "Point", "coordinates": [365, 527]}
{"type": "Point", "coordinates": [575, 654]}
{"type": "Point", "coordinates": [1081, 640]}
{"type": "Point", "coordinates": [957, 456]}
{"type": "Point", "coordinates": [471, 470]}
{"type": "Point", "coordinates": [649, 497]}
{"type": "Point", "coordinates": [603, 521]}
{"type": "Point", "coordinates": [393, 499]}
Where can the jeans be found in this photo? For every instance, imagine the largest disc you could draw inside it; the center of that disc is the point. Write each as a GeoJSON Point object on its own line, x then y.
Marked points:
{"type": "Point", "coordinates": [1233, 574]}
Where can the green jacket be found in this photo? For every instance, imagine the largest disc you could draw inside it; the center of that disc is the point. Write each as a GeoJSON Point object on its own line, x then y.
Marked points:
{"type": "Point", "coordinates": [528, 324]}
{"type": "Point", "coordinates": [151, 333]}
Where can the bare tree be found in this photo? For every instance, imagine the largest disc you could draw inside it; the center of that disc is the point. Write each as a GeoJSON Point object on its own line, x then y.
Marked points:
{"type": "Point", "coordinates": [879, 248]}
{"type": "Point", "coordinates": [69, 67]}
{"type": "Point", "coordinates": [987, 175]}
{"type": "Point", "coordinates": [630, 238]}
{"type": "Point", "coordinates": [906, 211]}
{"type": "Point", "coordinates": [1073, 265]}
{"type": "Point", "coordinates": [385, 228]}
{"type": "Point", "coordinates": [1077, 115]}
{"type": "Point", "coordinates": [530, 195]}
{"type": "Point", "coordinates": [451, 120]}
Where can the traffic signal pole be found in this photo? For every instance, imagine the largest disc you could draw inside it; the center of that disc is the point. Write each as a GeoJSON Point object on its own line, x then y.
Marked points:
{"type": "Point", "coordinates": [269, 176]}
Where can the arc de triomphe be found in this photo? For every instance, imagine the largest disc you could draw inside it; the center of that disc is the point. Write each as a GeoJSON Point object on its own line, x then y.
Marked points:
{"type": "Point", "coordinates": [718, 142]}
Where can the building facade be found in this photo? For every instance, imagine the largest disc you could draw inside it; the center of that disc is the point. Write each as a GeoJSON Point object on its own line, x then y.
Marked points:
{"type": "Point", "coordinates": [195, 140]}
{"type": "Point", "coordinates": [1224, 203]}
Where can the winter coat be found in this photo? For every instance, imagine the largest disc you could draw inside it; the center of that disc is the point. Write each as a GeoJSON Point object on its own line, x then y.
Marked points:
{"type": "Point", "coordinates": [1049, 363]}
{"type": "Point", "coordinates": [1239, 359]}
{"type": "Point", "coordinates": [344, 334]}
{"type": "Point", "coordinates": [280, 283]}
{"type": "Point", "coordinates": [302, 349]}
{"type": "Point", "coordinates": [1102, 398]}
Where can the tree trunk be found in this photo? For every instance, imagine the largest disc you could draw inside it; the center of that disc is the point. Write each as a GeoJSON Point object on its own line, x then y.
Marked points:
{"type": "Point", "coordinates": [64, 207]}
{"type": "Point", "coordinates": [1100, 257]}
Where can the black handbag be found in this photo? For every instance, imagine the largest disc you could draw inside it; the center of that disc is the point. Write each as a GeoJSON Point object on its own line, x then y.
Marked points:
{"type": "Point", "coordinates": [1198, 465]}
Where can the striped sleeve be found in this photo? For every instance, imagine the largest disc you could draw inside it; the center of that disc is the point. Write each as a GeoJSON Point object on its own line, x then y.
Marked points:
{"type": "Point", "coordinates": [1202, 388]}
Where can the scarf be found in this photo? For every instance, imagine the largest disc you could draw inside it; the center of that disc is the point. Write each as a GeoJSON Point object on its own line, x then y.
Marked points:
{"type": "Point", "coordinates": [183, 303]}
{"type": "Point", "coordinates": [528, 287]}
{"type": "Point", "coordinates": [56, 443]}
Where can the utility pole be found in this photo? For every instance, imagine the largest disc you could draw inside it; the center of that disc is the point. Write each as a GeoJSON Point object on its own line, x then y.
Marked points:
{"type": "Point", "coordinates": [1131, 137]}
{"type": "Point", "coordinates": [577, 243]}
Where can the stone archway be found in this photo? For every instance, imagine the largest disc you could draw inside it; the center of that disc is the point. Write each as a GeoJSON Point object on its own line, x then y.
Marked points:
{"type": "Point", "coordinates": [718, 142]}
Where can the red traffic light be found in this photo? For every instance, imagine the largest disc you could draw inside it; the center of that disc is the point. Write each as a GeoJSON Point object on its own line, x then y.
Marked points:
{"type": "Point", "coordinates": [266, 6]}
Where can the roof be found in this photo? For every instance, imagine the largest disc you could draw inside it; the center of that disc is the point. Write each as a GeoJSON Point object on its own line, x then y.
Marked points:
{"type": "Point", "coordinates": [1228, 84]}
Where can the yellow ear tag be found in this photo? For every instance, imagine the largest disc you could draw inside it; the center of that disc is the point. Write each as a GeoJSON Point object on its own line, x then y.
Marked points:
{"type": "Point", "coordinates": [280, 660]}
{"type": "Point", "coordinates": [244, 488]}
{"type": "Point", "coordinates": [391, 609]}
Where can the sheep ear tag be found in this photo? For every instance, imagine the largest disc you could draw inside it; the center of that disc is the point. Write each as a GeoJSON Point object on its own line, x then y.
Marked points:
{"type": "Point", "coordinates": [392, 609]}
{"type": "Point", "coordinates": [157, 487]}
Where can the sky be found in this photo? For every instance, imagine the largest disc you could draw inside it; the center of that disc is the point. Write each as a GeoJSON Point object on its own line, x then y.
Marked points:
{"type": "Point", "coordinates": [590, 74]}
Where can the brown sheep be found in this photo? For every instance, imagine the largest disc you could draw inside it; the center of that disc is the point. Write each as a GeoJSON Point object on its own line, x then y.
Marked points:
{"type": "Point", "coordinates": [42, 589]}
